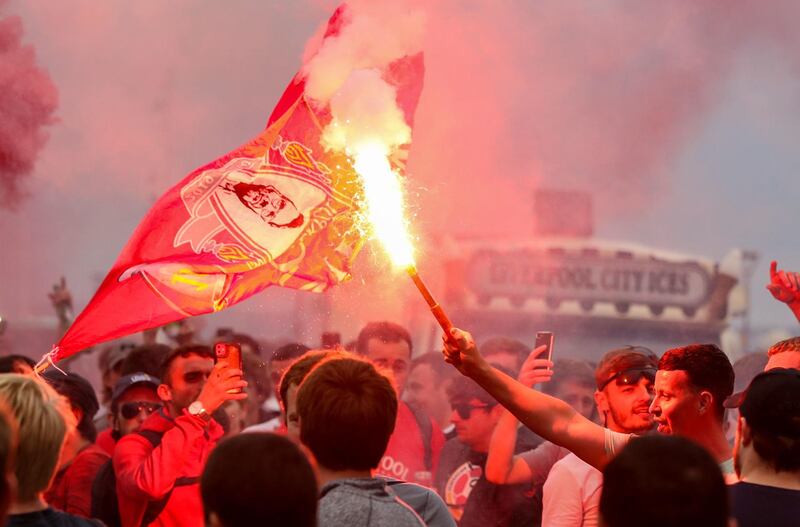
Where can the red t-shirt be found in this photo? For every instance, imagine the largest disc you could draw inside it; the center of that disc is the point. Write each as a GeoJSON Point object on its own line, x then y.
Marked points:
{"type": "Point", "coordinates": [71, 489]}
{"type": "Point", "coordinates": [405, 455]}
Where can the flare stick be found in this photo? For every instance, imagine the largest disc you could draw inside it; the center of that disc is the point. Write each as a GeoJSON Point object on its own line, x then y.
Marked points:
{"type": "Point", "coordinates": [436, 309]}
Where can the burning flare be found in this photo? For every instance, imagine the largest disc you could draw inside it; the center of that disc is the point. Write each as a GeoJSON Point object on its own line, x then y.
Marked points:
{"type": "Point", "coordinates": [384, 202]}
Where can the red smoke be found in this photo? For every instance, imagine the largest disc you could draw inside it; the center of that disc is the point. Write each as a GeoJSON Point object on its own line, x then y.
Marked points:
{"type": "Point", "coordinates": [598, 96]}
{"type": "Point", "coordinates": [28, 99]}
{"type": "Point", "coordinates": [518, 94]}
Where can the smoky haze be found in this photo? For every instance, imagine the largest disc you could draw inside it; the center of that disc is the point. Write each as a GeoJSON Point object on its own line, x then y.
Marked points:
{"type": "Point", "coordinates": [28, 99]}
{"type": "Point", "coordinates": [617, 98]}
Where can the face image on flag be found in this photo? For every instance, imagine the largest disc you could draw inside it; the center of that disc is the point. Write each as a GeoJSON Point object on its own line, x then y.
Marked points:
{"type": "Point", "coordinates": [280, 210]}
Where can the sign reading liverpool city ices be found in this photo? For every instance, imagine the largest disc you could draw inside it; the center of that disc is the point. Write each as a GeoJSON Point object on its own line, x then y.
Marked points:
{"type": "Point", "coordinates": [536, 274]}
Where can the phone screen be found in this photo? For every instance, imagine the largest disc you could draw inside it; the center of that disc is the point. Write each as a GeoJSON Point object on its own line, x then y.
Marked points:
{"type": "Point", "coordinates": [545, 338]}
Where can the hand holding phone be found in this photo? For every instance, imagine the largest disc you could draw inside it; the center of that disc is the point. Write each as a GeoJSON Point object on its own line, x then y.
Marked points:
{"type": "Point", "coordinates": [229, 354]}
{"type": "Point", "coordinates": [545, 338]}
{"type": "Point", "coordinates": [537, 368]}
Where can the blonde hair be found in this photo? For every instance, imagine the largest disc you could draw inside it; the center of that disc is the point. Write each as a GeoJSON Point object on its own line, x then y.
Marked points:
{"type": "Point", "coordinates": [43, 419]}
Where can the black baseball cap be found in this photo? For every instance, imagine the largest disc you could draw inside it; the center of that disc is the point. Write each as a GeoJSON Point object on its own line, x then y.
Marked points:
{"type": "Point", "coordinates": [620, 360]}
{"type": "Point", "coordinates": [134, 379]}
{"type": "Point", "coordinates": [771, 403]}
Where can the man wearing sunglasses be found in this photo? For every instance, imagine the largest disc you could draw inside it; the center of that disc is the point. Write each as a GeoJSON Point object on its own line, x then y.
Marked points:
{"type": "Point", "coordinates": [691, 384]}
{"type": "Point", "coordinates": [624, 380]}
{"type": "Point", "coordinates": [135, 397]}
{"type": "Point", "coordinates": [460, 478]}
{"type": "Point", "coordinates": [157, 468]}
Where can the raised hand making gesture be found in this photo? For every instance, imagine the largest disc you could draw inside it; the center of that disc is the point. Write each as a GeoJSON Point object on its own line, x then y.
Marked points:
{"type": "Point", "coordinates": [785, 287]}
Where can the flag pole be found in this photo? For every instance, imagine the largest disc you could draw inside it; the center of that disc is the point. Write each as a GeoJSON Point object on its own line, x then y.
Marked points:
{"type": "Point", "coordinates": [45, 362]}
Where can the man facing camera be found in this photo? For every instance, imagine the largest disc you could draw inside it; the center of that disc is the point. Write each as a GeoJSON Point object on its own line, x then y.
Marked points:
{"type": "Point", "coordinates": [157, 468]}
{"type": "Point", "coordinates": [415, 445]}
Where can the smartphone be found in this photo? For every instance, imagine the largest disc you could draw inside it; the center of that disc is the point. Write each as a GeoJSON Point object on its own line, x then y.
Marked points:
{"type": "Point", "coordinates": [229, 353]}
{"type": "Point", "coordinates": [545, 338]}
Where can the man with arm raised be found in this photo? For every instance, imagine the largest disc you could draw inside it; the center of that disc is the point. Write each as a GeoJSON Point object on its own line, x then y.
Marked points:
{"type": "Point", "coordinates": [691, 385]}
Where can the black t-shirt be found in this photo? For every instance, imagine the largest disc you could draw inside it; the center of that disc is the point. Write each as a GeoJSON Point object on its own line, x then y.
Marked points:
{"type": "Point", "coordinates": [472, 499]}
{"type": "Point", "coordinates": [50, 518]}
{"type": "Point", "coordinates": [755, 505]}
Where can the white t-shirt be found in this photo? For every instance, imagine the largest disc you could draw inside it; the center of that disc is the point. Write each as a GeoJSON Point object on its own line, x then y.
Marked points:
{"type": "Point", "coordinates": [572, 494]}
{"type": "Point", "coordinates": [615, 441]}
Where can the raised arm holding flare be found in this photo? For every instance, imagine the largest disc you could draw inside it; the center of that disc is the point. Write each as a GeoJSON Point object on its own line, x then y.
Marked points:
{"type": "Point", "coordinates": [785, 287]}
{"type": "Point", "coordinates": [691, 385]}
{"type": "Point", "coordinates": [547, 416]}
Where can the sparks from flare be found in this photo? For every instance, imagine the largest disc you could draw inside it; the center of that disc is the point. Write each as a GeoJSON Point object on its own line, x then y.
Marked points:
{"type": "Point", "coordinates": [384, 202]}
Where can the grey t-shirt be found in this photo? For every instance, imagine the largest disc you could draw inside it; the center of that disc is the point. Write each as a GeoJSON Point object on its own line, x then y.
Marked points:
{"type": "Point", "coordinates": [424, 501]}
{"type": "Point", "coordinates": [364, 502]}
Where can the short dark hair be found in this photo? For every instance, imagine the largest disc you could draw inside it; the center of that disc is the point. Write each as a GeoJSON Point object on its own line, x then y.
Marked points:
{"type": "Point", "coordinates": [182, 351]}
{"type": "Point", "coordinates": [347, 413]}
{"type": "Point", "coordinates": [385, 331]}
{"type": "Point", "coordinates": [290, 351]}
{"type": "Point", "coordinates": [663, 481]}
{"type": "Point", "coordinates": [243, 339]}
{"type": "Point", "coordinates": [434, 360]}
{"type": "Point", "coordinates": [147, 358]}
{"type": "Point", "coordinates": [300, 368]}
{"type": "Point", "coordinates": [7, 362]}
{"type": "Point", "coordinates": [565, 370]}
{"type": "Point", "coordinates": [465, 389]}
{"type": "Point", "coordinates": [509, 346]}
{"type": "Point", "coordinates": [80, 394]}
{"type": "Point", "coordinates": [280, 488]}
{"type": "Point", "coordinates": [706, 366]}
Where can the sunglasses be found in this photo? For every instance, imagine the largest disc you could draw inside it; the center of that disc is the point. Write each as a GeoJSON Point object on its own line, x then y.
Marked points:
{"type": "Point", "coordinates": [630, 377]}
{"type": "Point", "coordinates": [465, 409]}
{"type": "Point", "coordinates": [132, 409]}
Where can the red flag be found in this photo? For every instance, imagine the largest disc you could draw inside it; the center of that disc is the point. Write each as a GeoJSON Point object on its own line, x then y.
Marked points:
{"type": "Point", "coordinates": [277, 211]}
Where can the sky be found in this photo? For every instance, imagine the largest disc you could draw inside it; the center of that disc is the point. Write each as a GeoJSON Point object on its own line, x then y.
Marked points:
{"type": "Point", "coordinates": [681, 118]}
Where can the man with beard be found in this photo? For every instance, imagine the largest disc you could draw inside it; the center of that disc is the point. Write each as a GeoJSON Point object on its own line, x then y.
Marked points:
{"type": "Point", "coordinates": [691, 385]}
{"type": "Point", "coordinates": [624, 380]}
{"type": "Point", "coordinates": [158, 467]}
{"type": "Point", "coordinates": [767, 451]}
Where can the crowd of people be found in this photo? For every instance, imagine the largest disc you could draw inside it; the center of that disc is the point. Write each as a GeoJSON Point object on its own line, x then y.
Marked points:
{"type": "Point", "coordinates": [376, 435]}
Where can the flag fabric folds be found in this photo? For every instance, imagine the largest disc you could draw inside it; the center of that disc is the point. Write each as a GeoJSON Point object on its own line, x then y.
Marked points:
{"type": "Point", "coordinates": [279, 210]}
